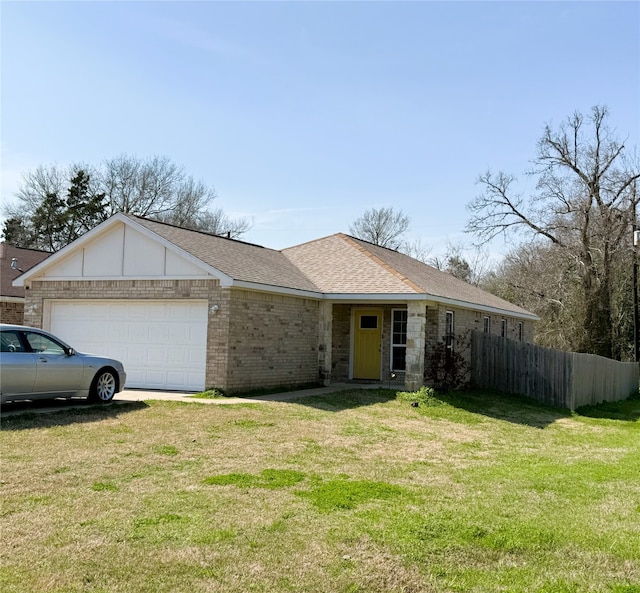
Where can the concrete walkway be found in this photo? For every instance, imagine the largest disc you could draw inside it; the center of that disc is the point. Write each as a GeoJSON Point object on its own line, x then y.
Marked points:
{"type": "Point", "coordinates": [137, 395]}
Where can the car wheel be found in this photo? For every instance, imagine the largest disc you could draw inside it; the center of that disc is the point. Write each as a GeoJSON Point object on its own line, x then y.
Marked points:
{"type": "Point", "coordinates": [103, 387]}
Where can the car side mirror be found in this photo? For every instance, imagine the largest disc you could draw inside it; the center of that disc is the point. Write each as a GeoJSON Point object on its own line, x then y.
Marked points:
{"type": "Point", "coordinates": [70, 352]}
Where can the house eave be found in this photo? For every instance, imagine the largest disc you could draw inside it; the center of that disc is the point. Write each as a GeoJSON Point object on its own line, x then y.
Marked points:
{"type": "Point", "coordinates": [379, 298]}
{"type": "Point", "coordinates": [382, 298]}
{"type": "Point", "coordinates": [11, 299]}
{"type": "Point", "coordinates": [118, 278]}
{"type": "Point", "coordinates": [484, 308]}
{"type": "Point", "coordinates": [257, 286]}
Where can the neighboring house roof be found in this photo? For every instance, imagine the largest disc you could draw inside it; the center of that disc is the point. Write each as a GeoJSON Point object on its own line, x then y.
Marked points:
{"type": "Point", "coordinates": [26, 259]}
{"type": "Point", "coordinates": [335, 267]}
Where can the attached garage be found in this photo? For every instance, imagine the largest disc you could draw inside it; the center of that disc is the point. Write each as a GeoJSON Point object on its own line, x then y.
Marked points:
{"type": "Point", "coordinates": [162, 343]}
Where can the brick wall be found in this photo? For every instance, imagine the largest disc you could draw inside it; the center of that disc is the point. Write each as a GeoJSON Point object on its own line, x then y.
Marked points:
{"type": "Point", "coordinates": [273, 341]}
{"type": "Point", "coordinates": [12, 312]}
{"type": "Point", "coordinates": [467, 320]}
{"type": "Point", "coordinates": [341, 336]}
{"type": "Point", "coordinates": [256, 339]}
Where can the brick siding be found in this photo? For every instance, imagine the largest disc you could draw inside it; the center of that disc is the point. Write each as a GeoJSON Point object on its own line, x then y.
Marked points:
{"type": "Point", "coordinates": [258, 339]}
{"type": "Point", "coordinates": [341, 341]}
{"type": "Point", "coordinates": [465, 320]}
{"type": "Point", "coordinates": [12, 312]}
{"type": "Point", "coordinates": [273, 341]}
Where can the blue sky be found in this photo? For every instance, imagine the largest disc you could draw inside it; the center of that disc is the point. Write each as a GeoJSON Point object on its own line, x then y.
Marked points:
{"type": "Point", "coordinates": [302, 115]}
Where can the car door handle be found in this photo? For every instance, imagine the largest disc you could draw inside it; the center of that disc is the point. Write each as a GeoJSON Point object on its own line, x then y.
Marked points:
{"type": "Point", "coordinates": [43, 359]}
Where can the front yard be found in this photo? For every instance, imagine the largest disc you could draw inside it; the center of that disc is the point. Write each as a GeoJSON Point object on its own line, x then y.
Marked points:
{"type": "Point", "coordinates": [356, 492]}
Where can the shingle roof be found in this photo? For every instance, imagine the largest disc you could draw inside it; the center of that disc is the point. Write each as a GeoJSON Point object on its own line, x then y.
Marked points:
{"type": "Point", "coordinates": [27, 258]}
{"type": "Point", "coordinates": [433, 281]}
{"type": "Point", "coordinates": [237, 259]}
{"type": "Point", "coordinates": [338, 264]}
{"type": "Point", "coordinates": [344, 264]}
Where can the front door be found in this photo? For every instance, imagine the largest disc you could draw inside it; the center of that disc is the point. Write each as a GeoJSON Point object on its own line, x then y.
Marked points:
{"type": "Point", "coordinates": [367, 344]}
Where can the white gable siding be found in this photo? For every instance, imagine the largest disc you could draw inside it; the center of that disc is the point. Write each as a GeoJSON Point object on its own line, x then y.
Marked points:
{"type": "Point", "coordinates": [70, 267]}
{"type": "Point", "coordinates": [142, 255]}
{"type": "Point", "coordinates": [103, 257]}
{"type": "Point", "coordinates": [178, 266]}
{"type": "Point", "coordinates": [123, 252]}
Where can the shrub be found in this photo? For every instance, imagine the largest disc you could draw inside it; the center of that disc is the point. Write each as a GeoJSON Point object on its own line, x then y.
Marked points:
{"type": "Point", "coordinates": [425, 396]}
{"type": "Point", "coordinates": [211, 393]}
{"type": "Point", "coordinates": [446, 368]}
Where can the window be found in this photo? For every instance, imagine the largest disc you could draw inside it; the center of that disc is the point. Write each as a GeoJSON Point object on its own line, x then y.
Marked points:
{"type": "Point", "coordinates": [449, 329]}
{"type": "Point", "coordinates": [43, 344]}
{"type": "Point", "coordinates": [10, 342]}
{"type": "Point", "coordinates": [368, 322]}
{"type": "Point", "coordinates": [520, 333]}
{"type": "Point", "coordinates": [487, 325]}
{"type": "Point", "coordinates": [503, 328]}
{"type": "Point", "coordinates": [398, 339]}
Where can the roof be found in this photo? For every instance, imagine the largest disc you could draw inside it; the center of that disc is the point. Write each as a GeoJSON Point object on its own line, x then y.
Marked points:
{"type": "Point", "coordinates": [239, 260]}
{"type": "Point", "coordinates": [335, 267]}
{"type": "Point", "coordinates": [344, 264]}
{"type": "Point", "coordinates": [26, 259]}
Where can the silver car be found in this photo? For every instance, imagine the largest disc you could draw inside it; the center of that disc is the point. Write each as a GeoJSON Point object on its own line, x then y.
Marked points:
{"type": "Point", "coordinates": [35, 364]}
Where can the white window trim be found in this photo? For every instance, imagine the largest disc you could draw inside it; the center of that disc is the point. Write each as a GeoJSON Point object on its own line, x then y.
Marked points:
{"type": "Point", "coordinates": [392, 345]}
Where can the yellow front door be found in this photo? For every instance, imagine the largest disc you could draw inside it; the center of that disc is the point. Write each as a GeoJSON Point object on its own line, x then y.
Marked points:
{"type": "Point", "coordinates": [367, 342]}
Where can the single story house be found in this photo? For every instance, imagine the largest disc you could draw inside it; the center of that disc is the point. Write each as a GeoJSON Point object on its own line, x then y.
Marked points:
{"type": "Point", "coordinates": [13, 262]}
{"type": "Point", "coordinates": [186, 310]}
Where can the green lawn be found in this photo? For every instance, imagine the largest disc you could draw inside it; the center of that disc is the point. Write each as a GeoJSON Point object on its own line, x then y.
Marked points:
{"type": "Point", "coordinates": [355, 492]}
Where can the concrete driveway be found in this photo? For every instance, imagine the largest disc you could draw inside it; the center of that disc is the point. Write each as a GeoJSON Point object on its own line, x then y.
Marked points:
{"type": "Point", "coordinates": [137, 395]}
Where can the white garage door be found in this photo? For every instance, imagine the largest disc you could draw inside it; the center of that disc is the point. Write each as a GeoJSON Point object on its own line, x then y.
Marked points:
{"type": "Point", "coordinates": [163, 344]}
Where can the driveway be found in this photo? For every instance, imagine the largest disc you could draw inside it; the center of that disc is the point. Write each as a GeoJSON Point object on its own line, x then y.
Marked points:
{"type": "Point", "coordinates": [137, 395]}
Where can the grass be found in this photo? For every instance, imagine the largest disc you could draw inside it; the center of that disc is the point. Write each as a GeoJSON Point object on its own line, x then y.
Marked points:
{"type": "Point", "coordinates": [358, 491]}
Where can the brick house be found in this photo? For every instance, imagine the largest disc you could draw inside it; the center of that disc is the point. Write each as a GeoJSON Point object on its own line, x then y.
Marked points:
{"type": "Point", "coordinates": [12, 297]}
{"type": "Point", "coordinates": [186, 310]}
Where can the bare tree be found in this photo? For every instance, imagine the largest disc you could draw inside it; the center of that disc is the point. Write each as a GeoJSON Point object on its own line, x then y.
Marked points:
{"type": "Point", "coordinates": [544, 279]}
{"type": "Point", "coordinates": [43, 181]}
{"type": "Point", "coordinates": [148, 187]}
{"type": "Point", "coordinates": [154, 188]}
{"type": "Point", "coordinates": [585, 192]}
{"type": "Point", "coordinates": [417, 250]}
{"type": "Point", "coordinates": [383, 227]}
{"type": "Point", "coordinates": [54, 213]}
{"type": "Point", "coordinates": [470, 264]}
{"type": "Point", "coordinates": [213, 221]}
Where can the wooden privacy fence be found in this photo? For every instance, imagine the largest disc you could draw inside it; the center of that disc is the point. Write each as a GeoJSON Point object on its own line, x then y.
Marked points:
{"type": "Point", "coordinates": [553, 377]}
